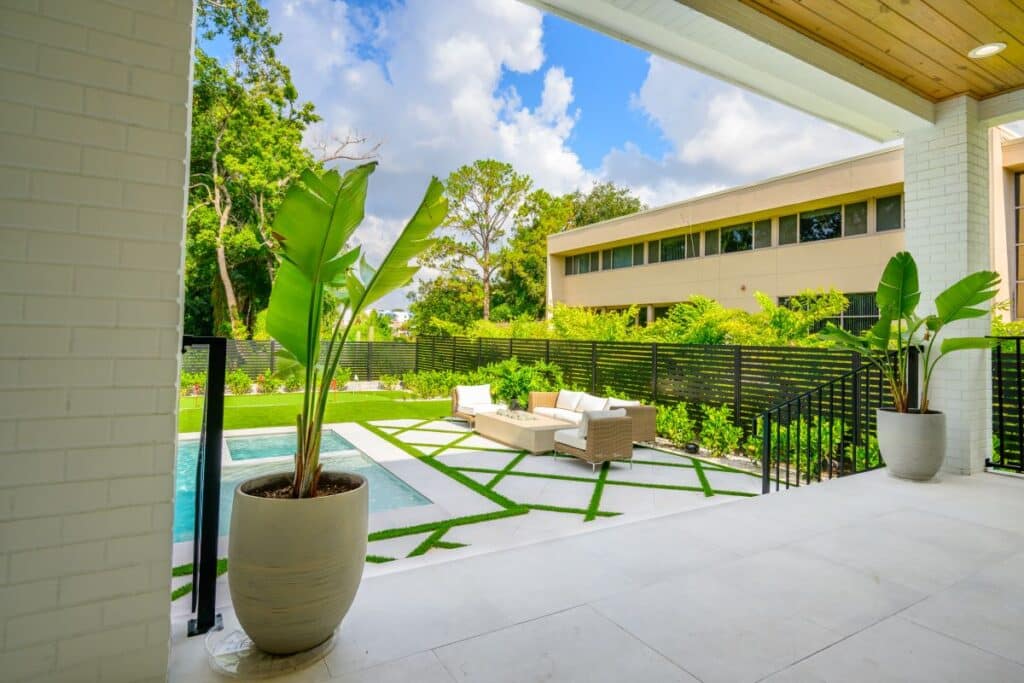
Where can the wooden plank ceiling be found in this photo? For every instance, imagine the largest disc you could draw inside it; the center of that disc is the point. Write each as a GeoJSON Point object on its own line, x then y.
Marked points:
{"type": "Point", "coordinates": [922, 44]}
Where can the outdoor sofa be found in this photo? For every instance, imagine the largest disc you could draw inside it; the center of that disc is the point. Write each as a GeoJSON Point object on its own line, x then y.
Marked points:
{"type": "Point", "coordinates": [569, 406]}
{"type": "Point", "coordinates": [601, 436]}
{"type": "Point", "coordinates": [468, 401]}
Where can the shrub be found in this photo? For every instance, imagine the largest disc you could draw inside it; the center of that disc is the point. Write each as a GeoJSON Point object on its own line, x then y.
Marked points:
{"type": "Point", "coordinates": [193, 383]}
{"type": "Point", "coordinates": [342, 376]}
{"type": "Point", "coordinates": [267, 384]}
{"type": "Point", "coordinates": [675, 424]}
{"type": "Point", "coordinates": [293, 382]}
{"type": "Point", "coordinates": [238, 382]}
{"type": "Point", "coordinates": [717, 433]}
{"type": "Point", "coordinates": [512, 382]}
{"type": "Point", "coordinates": [432, 383]}
{"type": "Point", "coordinates": [808, 445]}
{"type": "Point", "coordinates": [389, 382]}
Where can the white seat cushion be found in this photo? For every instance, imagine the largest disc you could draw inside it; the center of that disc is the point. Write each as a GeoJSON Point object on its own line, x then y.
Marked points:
{"type": "Point", "coordinates": [567, 400]}
{"type": "Point", "coordinates": [621, 403]}
{"type": "Point", "coordinates": [545, 411]}
{"type": "Point", "coordinates": [597, 415]}
{"type": "Point", "coordinates": [590, 402]}
{"type": "Point", "coordinates": [567, 415]}
{"type": "Point", "coordinates": [479, 394]}
{"type": "Point", "coordinates": [571, 437]}
{"type": "Point", "coordinates": [482, 408]}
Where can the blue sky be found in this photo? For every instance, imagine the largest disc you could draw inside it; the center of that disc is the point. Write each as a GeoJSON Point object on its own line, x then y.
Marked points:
{"type": "Point", "coordinates": [438, 84]}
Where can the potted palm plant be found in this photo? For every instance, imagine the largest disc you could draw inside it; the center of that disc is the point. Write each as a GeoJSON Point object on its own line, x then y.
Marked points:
{"type": "Point", "coordinates": [298, 540]}
{"type": "Point", "coordinates": [912, 439]}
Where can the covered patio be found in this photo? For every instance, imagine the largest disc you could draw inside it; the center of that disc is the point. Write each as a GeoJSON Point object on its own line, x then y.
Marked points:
{"type": "Point", "coordinates": [862, 578]}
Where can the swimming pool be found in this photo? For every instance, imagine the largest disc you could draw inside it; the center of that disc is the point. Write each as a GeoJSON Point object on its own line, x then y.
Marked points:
{"type": "Point", "coordinates": [387, 491]}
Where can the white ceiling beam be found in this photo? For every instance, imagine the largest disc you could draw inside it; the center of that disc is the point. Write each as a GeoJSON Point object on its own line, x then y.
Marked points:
{"type": "Point", "coordinates": [1004, 108]}
{"type": "Point", "coordinates": [746, 48]}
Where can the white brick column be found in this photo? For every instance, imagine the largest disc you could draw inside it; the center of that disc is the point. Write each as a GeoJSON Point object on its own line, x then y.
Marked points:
{"type": "Point", "coordinates": [94, 114]}
{"type": "Point", "coordinates": [947, 231]}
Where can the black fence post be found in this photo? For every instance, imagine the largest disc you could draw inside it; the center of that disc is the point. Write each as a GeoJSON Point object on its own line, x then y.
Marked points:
{"type": "Point", "coordinates": [855, 402]}
{"type": "Point", "coordinates": [455, 346]}
{"type": "Point", "coordinates": [737, 373]}
{"type": "Point", "coordinates": [369, 361]}
{"type": "Point", "coordinates": [479, 351]}
{"type": "Point", "coordinates": [416, 356]}
{"type": "Point", "coordinates": [547, 350]}
{"type": "Point", "coordinates": [654, 373]}
{"type": "Point", "coordinates": [593, 367]}
{"type": "Point", "coordinates": [204, 554]}
{"type": "Point", "coordinates": [273, 365]}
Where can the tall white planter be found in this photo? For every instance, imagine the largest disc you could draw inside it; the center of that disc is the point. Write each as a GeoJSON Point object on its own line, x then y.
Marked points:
{"type": "Point", "coordinates": [294, 565]}
{"type": "Point", "coordinates": [913, 445]}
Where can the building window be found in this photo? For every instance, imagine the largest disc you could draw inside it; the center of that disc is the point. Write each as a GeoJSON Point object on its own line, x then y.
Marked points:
{"type": "Point", "coordinates": [860, 315]}
{"type": "Point", "coordinates": [606, 259]}
{"type": "Point", "coordinates": [638, 254]}
{"type": "Point", "coordinates": [889, 213]}
{"type": "Point", "coordinates": [622, 257]}
{"type": "Point", "coordinates": [711, 242]}
{"type": "Point", "coordinates": [581, 263]}
{"type": "Point", "coordinates": [654, 251]}
{"type": "Point", "coordinates": [823, 224]}
{"type": "Point", "coordinates": [855, 219]}
{"type": "Point", "coordinates": [737, 238]}
{"type": "Point", "coordinates": [788, 230]}
{"type": "Point", "coordinates": [673, 248]}
{"type": "Point", "coordinates": [763, 234]}
{"type": "Point", "coordinates": [660, 312]}
{"type": "Point", "coordinates": [693, 245]}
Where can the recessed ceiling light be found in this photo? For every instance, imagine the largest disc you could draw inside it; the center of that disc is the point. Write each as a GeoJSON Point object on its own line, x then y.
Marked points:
{"type": "Point", "coordinates": [986, 50]}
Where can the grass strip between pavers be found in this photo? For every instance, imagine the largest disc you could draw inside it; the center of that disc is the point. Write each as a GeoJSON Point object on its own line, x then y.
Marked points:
{"type": "Point", "coordinates": [595, 499]}
{"type": "Point", "coordinates": [537, 475]}
{"type": "Point", "coordinates": [505, 470]}
{"type": "Point", "coordinates": [186, 570]}
{"type": "Point", "coordinates": [429, 542]}
{"type": "Point", "coordinates": [705, 463]}
{"type": "Point", "coordinates": [449, 545]}
{"type": "Point", "coordinates": [445, 469]}
{"type": "Point", "coordinates": [570, 511]}
{"type": "Point", "coordinates": [459, 439]}
{"type": "Point", "coordinates": [427, 527]}
{"type": "Point", "coordinates": [379, 559]}
{"type": "Point", "coordinates": [705, 484]}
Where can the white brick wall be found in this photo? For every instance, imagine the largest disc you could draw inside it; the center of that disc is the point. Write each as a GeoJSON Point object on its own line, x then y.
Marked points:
{"type": "Point", "coordinates": [946, 190]}
{"type": "Point", "coordinates": [93, 143]}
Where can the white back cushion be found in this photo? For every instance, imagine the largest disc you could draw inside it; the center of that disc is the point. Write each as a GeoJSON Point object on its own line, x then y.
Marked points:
{"type": "Point", "coordinates": [597, 415]}
{"type": "Point", "coordinates": [621, 403]}
{"type": "Point", "coordinates": [470, 395]}
{"type": "Point", "coordinates": [567, 400]}
{"type": "Point", "coordinates": [589, 402]}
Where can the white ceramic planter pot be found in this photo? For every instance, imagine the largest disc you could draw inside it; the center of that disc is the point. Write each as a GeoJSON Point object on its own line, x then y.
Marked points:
{"type": "Point", "coordinates": [294, 565]}
{"type": "Point", "coordinates": [913, 445]}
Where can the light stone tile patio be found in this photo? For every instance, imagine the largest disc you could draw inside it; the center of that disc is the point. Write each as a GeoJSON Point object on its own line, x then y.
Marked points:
{"type": "Point", "coordinates": [738, 592]}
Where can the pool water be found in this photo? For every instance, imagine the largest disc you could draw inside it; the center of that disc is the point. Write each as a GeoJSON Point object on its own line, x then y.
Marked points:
{"type": "Point", "coordinates": [387, 491]}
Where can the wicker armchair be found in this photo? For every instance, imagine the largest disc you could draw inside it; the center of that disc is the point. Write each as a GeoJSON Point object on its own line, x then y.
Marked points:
{"type": "Point", "coordinates": [644, 417]}
{"type": "Point", "coordinates": [469, 412]}
{"type": "Point", "coordinates": [608, 439]}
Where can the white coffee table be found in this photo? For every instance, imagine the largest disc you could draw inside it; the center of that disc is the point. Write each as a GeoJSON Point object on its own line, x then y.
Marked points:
{"type": "Point", "coordinates": [520, 429]}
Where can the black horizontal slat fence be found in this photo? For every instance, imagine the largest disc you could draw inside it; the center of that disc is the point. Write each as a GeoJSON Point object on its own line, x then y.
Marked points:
{"type": "Point", "coordinates": [748, 379]}
{"type": "Point", "coordinates": [1007, 405]}
{"type": "Point", "coordinates": [367, 360]}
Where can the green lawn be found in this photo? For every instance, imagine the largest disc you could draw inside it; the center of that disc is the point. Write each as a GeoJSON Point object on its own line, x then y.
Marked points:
{"type": "Point", "coordinates": [279, 410]}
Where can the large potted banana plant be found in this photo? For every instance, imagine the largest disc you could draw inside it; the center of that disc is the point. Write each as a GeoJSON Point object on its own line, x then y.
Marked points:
{"type": "Point", "coordinates": [912, 439]}
{"type": "Point", "coordinates": [297, 541]}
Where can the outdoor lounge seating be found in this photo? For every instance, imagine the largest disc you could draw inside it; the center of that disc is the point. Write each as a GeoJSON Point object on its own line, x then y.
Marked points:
{"type": "Point", "coordinates": [570, 406]}
{"type": "Point", "coordinates": [468, 401]}
{"type": "Point", "coordinates": [602, 436]}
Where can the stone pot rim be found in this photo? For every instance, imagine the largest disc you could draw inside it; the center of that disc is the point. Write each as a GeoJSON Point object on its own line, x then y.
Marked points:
{"type": "Point", "coordinates": [239, 490]}
{"type": "Point", "coordinates": [910, 412]}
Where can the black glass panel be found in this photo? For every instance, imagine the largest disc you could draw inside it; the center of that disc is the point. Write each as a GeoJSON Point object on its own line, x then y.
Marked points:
{"type": "Point", "coordinates": [693, 245]}
{"type": "Point", "coordinates": [763, 234]}
{"type": "Point", "coordinates": [823, 224]}
{"type": "Point", "coordinates": [737, 238]}
{"type": "Point", "coordinates": [788, 230]}
{"type": "Point", "coordinates": [856, 222]}
{"type": "Point", "coordinates": [889, 212]}
{"type": "Point", "coordinates": [710, 242]}
{"type": "Point", "coordinates": [672, 249]}
{"type": "Point", "coordinates": [653, 251]}
{"type": "Point", "coordinates": [638, 254]}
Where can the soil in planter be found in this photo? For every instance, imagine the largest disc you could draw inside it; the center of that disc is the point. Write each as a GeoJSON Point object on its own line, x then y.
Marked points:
{"type": "Point", "coordinates": [329, 487]}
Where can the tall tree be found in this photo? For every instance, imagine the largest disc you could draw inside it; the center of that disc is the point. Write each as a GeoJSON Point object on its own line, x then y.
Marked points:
{"type": "Point", "coordinates": [483, 197]}
{"type": "Point", "coordinates": [603, 202]}
{"type": "Point", "coordinates": [524, 259]}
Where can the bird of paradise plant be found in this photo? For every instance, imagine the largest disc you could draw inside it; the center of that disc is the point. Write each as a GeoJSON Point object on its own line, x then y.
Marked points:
{"type": "Point", "coordinates": [899, 328]}
{"type": "Point", "coordinates": [312, 228]}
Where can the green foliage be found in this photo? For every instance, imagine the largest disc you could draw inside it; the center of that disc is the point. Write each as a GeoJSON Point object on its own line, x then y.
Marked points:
{"type": "Point", "coordinates": [238, 382]}
{"type": "Point", "coordinates": [887, 344]}
{"type": "Point", "coordinates": [292, 382]}
{"type": "Point", "coordinates": [585, 324]}
{"type": "Point", "coordinates": [267, 384]}
{"type": "Point", "coordinates": [510, 381]}
{"type": "Point", "coordinates": [718, 434]}
{"type": "Point", "coordinates": [342, 376]}
{"type": "Point", "coordinates": [312, 227]}
{"type": "Point", "coordinates": [603, 202]}
{"type": "Point", "coordinates": [675, 424]}
{"type": "Point", "coordinates": [193, 383]}
{"type": "Point", "coordinates": [389, 382]}
{"type": "Point", "coordinates": [809, 445]}
{"type": "Point", "coordinates": [447, 304]}
{"type": "Point", "coordinates": [432, 383]}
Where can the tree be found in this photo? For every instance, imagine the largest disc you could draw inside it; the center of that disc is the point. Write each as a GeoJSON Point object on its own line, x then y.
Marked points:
{"type": "Point", "coordinates": [482, 198]}
{"type": "Point", "coordinates": [524, 259]}
{"type": "Point", "coordinates": [451, 300]}
{"type": "Point", "coordinates": [604, 202]}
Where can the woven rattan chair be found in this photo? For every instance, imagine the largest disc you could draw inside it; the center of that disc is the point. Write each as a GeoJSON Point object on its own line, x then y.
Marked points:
{"type": "Point", "coordinates": [644, 417]}
{"type": "Point", "coordinates": [608, 439]}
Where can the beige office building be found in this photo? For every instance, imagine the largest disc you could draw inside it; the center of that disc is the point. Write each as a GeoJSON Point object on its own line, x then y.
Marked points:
{"type": "Point", "coordinates": [830, 226]}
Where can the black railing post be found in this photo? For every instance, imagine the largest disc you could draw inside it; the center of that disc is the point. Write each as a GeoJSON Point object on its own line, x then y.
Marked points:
{"type": "Point", "coordinates": [855, 404]}
{"type": "Point", "coordinates": [1000, 418]}
{"type": "Point", "coordinates": [204, 565]}
{"type": "Point", "coordinates": [766, 451]}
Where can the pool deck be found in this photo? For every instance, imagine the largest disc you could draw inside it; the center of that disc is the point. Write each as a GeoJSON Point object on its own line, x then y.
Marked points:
{"type": "Point", "coordinates": [862, 578]}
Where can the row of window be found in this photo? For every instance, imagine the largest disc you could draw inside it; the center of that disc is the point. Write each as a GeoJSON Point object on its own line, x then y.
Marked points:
{"type": "Point", "coordinates": [807, 226]}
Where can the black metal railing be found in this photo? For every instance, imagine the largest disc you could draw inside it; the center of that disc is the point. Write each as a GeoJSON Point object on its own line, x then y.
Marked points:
{"type": "Point", "coordinates": [1007, 407]}
{"type": "Point", "coordinates": [207, 501]}
{"type": "Point", "coordinates": [826, 432]}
